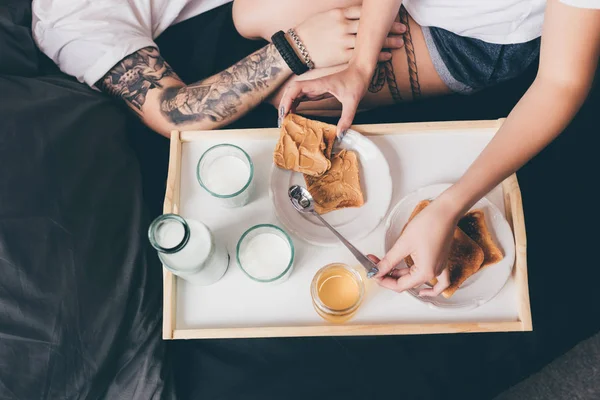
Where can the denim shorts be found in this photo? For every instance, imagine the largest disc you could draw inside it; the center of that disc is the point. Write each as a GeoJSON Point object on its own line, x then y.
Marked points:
{"type": "Point", "coordinates": [467, 65]}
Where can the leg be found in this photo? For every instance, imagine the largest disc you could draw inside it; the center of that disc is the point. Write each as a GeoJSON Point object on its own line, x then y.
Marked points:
{"type": "Point", "coordinates": [409, 75]}
{"type": "Point", "coordinates": [262, 18]}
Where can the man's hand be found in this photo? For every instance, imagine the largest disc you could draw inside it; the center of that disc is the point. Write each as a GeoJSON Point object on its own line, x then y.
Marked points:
{"type": "Point", "coordinates": [330, 36]}
{"type": "Point", "coordinates": [348, 86]}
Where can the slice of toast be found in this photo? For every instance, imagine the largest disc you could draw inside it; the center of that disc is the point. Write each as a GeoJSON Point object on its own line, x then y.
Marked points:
{"type": "Point", "coordinates": [465, 257]}
{"type": "Point", "coordinates": [304, 145]}
{"type": "Point", "coordinates": [339, 187]}
{"type": "Point", "coordinates": [473, 224]}
{"type": "Point", "coordinates": [464, 260]}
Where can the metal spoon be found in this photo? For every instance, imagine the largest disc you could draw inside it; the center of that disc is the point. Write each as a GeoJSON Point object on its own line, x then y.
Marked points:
{"type": "Point", "coordinates": [302, 201]}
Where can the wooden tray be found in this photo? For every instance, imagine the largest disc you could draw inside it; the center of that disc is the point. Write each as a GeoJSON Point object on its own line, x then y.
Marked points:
{"type": "Point", "coordinates": [517, 292]}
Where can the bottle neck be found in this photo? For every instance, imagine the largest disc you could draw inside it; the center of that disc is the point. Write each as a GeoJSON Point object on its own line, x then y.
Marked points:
{"type": "Point", "coordinates": [169, 233]}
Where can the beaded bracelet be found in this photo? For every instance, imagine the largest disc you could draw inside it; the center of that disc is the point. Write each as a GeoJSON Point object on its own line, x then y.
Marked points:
{"type": "Point", "coordinates": [301, 48]}
{"type": "Point", "coordinates": [288, 54]}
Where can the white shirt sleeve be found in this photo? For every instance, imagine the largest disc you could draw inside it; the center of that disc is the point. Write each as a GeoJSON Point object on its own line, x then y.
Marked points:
{"type": "Point", "coordinates": [87, 38]}
{"type": "Point", "coordinates": [582, 3]}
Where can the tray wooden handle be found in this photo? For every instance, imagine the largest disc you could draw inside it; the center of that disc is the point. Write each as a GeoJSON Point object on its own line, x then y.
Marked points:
{"type": "Point", "coordinates": [513, 204]}
{"type": "Point", "coordinates": [171, 205]}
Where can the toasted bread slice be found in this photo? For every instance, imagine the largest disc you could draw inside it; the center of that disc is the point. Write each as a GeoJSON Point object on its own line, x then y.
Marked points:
{"type": "Point", "coordinates": [304, 145]}
{"type": "Point", "coordinates": [464, 260]}
{"type": "Point", "coordinates": [473, 224]}
{"type": "Point", "coordinates": [339, 187]}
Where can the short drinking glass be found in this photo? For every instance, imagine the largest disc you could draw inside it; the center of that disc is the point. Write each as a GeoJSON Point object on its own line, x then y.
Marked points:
{"type": "Point", "coordinates": [226, 172]}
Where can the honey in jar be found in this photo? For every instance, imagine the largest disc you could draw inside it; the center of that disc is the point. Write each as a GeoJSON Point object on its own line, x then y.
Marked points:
{"type": "Point", "coordinates": [337, 291]}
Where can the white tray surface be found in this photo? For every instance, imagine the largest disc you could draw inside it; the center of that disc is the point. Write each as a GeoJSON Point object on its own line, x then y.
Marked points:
{"type": "Point", "coordinates": [415, 160]}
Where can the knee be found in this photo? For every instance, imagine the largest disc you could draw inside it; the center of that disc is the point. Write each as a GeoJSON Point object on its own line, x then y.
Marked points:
{"type": "Point", "coordinates": [246, 18]}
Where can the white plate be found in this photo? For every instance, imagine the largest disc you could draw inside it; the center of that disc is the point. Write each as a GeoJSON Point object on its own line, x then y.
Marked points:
{"type": "Point", "coordinates": [353, 223]}
{"type": "Point", "coordinates": [480, 287]}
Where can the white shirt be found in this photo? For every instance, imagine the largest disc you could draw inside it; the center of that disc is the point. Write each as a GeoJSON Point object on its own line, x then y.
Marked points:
{"type": "Point", "coordinates": [493, 21]}
{"type": "Point", "coordinates": [86, 38]}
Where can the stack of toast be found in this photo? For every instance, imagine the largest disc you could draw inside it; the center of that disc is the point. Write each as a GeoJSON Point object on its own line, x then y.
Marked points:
{"type": "Point", "coordinates": [472, 248]}
{"type": "Point", "coordinates": [306, 146]}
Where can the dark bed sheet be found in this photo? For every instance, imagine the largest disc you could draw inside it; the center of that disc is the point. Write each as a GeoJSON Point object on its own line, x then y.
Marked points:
{"type": "Point", "coordinates": [80, 292]}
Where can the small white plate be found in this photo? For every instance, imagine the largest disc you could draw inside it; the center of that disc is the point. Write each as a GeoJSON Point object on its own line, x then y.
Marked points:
{"type": "Point", "coordinates": [353, 223]}
{"type": "Point", "coordinates": [480, 287]}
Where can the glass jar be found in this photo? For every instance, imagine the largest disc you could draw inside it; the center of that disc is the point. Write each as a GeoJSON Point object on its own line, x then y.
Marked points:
{"type": "Point", "coordinates": [337, 291]}
{"type": "Point", "coordinates": [265, 253]}
{"type": "Point", "coordinates": [187, 248]}
{"type": "Point", "coordinates": [226, 172]}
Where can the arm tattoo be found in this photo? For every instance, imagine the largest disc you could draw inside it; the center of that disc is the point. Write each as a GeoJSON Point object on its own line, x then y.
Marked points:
{"type": "Point", "coordinates": [385, 73]}
{"type": "Point", "coordinates": [135, 75]}
{"type": "Point", "coordinates": [411, 58]}
{"type": "Point", "coordinates": [219, 97]}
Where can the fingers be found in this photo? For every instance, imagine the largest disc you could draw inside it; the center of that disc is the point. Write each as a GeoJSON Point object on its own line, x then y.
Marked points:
{"type": "Point", "coordinates": [352, 12]}
{"type": "Point", "coordinates": [373, 258]}
{"type": "Point", "coordinates": [409, 281]}
{"type": "Point", "coordinates": [349, 42]}
{"type": "Point", "coordinates": [394, 273]}
{"type": "Point", "coordinates": [297, 90]}
{"type": "Point", "coordinates": [393, 42]}
{"type": "Point", "coordinates": [388, 282]}
{"type": "Point", "coordinates": [352, 26]}
{"type": "Point", "coordinates": [349, 107]}
{"type": "Point", "coordinates": [443, 281]}
{"type": "Point", "coordinates": [289, 95]}
{"type": "Point", "coordinates": [398, 272]}
{"type": "Point", "coordinates": [393, 257]}
{"type": "Point", "coordinates": [397, 28]}
{"type": "Point", "coordinates": [384, 56]}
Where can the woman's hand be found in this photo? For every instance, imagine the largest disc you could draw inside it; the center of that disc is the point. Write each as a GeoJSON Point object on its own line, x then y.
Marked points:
{"type": "Point", "coordinates": [330, 36]}
{"type": "Point", "coordinates": [427, 239]}
{"type": "Point", "coordinates": [348, 86]}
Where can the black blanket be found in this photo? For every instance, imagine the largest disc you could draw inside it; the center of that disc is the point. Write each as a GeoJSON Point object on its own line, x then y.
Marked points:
{"type": "Point", "coordinates": [80, 293]}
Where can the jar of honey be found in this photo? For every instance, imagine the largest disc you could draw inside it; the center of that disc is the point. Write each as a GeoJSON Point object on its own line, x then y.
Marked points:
{"type": "Point", "coordinates": [337, 292]}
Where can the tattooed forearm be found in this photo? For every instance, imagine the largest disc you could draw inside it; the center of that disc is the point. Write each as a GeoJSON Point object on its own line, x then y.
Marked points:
{"type": "Point", "coordinates": [411, 58]}
{"type": "Point", "coordinates": [135, 75]}
{"type": "Point", "coordinates": [221, 97]}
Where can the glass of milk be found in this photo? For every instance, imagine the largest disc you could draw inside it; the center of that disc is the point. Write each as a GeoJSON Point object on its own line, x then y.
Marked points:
{"type": "Point", "coordinates": [187, 248]}
{"type": "Point", "coordinates": [226, 171]}
{"type": "Point", "coordinates": [265, 253]}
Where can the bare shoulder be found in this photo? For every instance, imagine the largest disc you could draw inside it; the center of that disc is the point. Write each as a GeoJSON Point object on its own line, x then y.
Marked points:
{"type": "Point", "coordinates": [135, 75]}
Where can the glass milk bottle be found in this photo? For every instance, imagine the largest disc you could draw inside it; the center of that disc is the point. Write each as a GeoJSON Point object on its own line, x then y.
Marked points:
{"type": "Point", "coordinates": [187, 248]}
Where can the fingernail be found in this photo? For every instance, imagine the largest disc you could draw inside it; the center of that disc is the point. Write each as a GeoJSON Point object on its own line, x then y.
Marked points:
{"type": "Point", "coordinates": [281, 112]}
{"type": "Point", "coordinates": [279, 122]}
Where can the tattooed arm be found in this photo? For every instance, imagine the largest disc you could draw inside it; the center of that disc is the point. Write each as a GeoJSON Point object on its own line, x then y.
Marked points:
{"type": "Point", "coordinates": [151, 88]}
